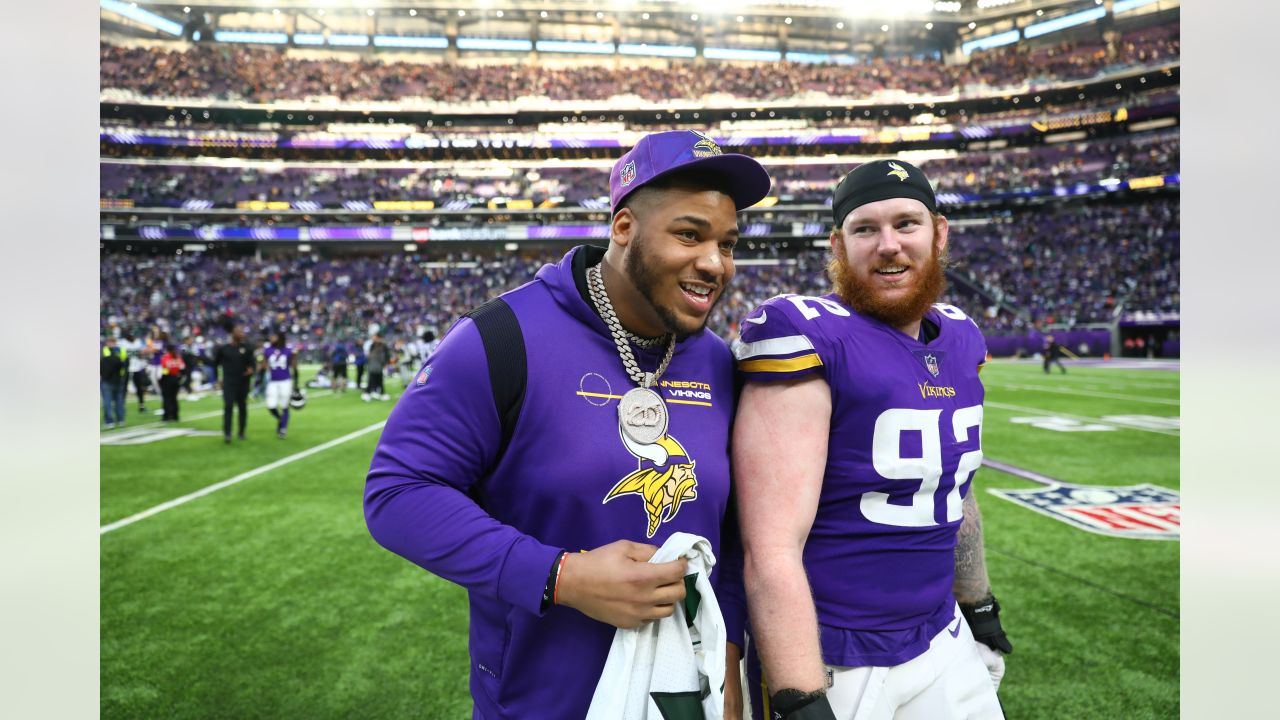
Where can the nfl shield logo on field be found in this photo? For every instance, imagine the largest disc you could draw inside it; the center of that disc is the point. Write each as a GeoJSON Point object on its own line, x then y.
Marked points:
{"type": "Point", "coordinates": [1141, 512]}
{"type": "Point", "coordinates": [931, 363]}
{"type": "Point", "coordinates": [628, 173]}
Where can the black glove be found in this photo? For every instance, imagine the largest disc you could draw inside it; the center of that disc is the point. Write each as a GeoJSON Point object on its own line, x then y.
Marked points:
{"type": "Point", "coordinates": [791, 704]}
{"type": "Point", "coordinates": [984, 620]}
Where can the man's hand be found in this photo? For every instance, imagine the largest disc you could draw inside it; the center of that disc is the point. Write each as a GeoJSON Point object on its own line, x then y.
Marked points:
{"type": "Point", "coordinates": [994, 660]}
{"type": "Point", "coordinates": [616, 584]}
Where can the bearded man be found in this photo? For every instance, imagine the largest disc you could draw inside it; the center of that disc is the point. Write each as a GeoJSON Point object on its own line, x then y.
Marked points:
{"type": "Point", "coordinates": [550, 523]}
{"type": "Point", "coordinates": [855, 443]}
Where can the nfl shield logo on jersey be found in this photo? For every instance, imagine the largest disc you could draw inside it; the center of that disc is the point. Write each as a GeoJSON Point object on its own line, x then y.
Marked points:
{"type": "Point", "coordinates": [931, 363]}
{"type": "Point", "coordinates": [1142, 512]}
{"type": "Point", "coordinates": [628, 173]}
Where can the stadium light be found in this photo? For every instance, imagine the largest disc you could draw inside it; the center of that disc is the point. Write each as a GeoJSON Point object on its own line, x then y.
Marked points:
{"type": "Point", "coordinates": [685, 51]}
{"type": "Point", "coordinates": [348, 40]}
{"type": "Point", "coordinates": [715, 53]}
{"type": "Point", "coordinates": [413, 13]}
{"type": "Point", "coordinates": [1125, 5]}
{"type": "Point", "coordinates": [840, 25]}
{"type": "Point", "coordinates": [241, 36]}
{"type": "Point", "coordinates": [574, 46]}
{"type": "Point", "coordinates": [409, 41]}
{"type": "Point", "coordinates": [1064, 22]}
{"type": "Point", "coordinates": [470, 43]}
{"type": "Point", "coordinates": [805, 57]}
{"type": "Point", "coordinates": [143, 17]}
{"type": "Point", "coordinates": [990, 41]}
{"type": "Point", "coordinates": [787, 21]}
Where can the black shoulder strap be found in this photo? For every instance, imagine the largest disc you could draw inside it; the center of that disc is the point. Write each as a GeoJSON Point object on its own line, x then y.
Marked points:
{"type": "Point", "coordinates": [508, 365]}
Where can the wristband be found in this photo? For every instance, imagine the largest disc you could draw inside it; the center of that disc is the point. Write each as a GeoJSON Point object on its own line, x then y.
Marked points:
{"type": "Point", "coordinates": [555, 592]}
{"type": "Point", "coordinates": [553, 581]}
{"type": "Point", "coordinates": [984, 620]}
{"type": "Point", "coordinates": [791, 704]}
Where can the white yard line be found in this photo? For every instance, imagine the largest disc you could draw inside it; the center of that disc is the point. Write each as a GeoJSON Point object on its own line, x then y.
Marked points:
{"type": "Point", "coordinates": [215, 413]}
{"type": "Point", "coordinates": [1077, 391]}
{"type": "Point", "coordinates": [1081, 418]}
{"type": "Point", "coordinates": [232, 481]}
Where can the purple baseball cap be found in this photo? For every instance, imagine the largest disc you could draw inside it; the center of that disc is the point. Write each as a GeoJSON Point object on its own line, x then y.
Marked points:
{"type": "Point", "coordinates": [659, 154]}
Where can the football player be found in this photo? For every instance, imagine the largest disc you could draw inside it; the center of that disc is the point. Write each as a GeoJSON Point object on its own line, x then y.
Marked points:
{"type": "Point", "coordinates": [855, 443]}
{"type": "Point", "coordinates": [281, 365]}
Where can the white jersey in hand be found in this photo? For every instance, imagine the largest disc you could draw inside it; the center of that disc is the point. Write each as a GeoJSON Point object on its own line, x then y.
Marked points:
{"type": "Point", "coordinates": [673, 666]}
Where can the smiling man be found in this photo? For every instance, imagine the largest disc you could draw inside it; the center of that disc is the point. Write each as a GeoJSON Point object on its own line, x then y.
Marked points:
{"type": "Point", "coordinates": [545, 490]}
{"type": "Point", "coordinates": [857, 436]}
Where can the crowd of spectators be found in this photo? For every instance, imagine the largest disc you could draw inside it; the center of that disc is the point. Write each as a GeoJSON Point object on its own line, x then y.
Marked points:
{"type": "Point", "coordinates": [1037, 168]}
{"type": "Point", "coordinates": [1074, 264]}
{"type": "Point", "coordinates": [1069, 265]}
{"type": "Point", "coordinates": [256, 74]}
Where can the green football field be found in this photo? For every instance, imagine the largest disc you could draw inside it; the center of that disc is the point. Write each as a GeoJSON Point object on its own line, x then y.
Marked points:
{"type": "Point", "coordinates": [239, 581]}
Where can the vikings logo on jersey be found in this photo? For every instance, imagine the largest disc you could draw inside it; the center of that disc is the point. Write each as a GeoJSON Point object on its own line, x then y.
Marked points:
{"type": "Point", "coordinates": [665, 479]}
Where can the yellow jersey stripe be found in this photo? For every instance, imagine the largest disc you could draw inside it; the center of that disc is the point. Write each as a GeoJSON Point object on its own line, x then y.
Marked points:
{"type": "Point", "coordinates": [804, 362]}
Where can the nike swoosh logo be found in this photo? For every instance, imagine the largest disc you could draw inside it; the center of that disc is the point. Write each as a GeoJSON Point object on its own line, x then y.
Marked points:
{"type": "Point", "coordinates": [956, 633]}
{"type": "Point", "coordinates": [760, 320]}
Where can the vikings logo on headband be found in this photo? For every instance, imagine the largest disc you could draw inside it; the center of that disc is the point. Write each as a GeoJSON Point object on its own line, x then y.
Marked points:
{"type": "Point", "coordinates": [880, 180]}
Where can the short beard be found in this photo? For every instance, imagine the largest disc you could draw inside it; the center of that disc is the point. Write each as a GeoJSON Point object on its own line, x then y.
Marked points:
{"type": "Point", "coordinates": [640, 270]}
{"type": "Point", "coordinates": [860, 296]}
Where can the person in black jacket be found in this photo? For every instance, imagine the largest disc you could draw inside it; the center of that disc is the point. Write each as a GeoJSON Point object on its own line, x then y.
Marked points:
{"type": "Point", "coordinates": [234, 361]}
{"type": "Point", "coordinates": [1053, 352]}
{"type": "Point", "coordinates": [112, 370]}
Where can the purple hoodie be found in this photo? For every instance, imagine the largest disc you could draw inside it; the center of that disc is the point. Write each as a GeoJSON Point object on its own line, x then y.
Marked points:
{"type": "Point", "coordinates": [438, 494]}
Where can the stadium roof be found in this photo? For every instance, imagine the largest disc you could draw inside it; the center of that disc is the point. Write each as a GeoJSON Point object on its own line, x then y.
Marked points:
{"type": "Point", "coordinates": [751, 30]}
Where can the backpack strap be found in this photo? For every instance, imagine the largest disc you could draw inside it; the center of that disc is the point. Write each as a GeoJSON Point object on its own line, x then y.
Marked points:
{"type": "Point", "coordinates": [508, 364]}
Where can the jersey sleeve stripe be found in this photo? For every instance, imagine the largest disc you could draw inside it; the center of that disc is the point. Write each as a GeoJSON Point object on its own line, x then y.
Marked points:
{"type": "Point", "coordinates": [803, 362]}
{"type": "Point", "coordinates": [772, 346]}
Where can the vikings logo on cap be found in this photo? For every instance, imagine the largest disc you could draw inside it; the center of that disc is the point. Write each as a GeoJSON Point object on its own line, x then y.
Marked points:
{"type": "Point", "coordinates": [665, 479]}
{"type": "Point", "coordinates": [627, 175]}
{"type": "Point", "coordinates": [705, 147]}
{"type": "Point", "coordinates": [899, 172]}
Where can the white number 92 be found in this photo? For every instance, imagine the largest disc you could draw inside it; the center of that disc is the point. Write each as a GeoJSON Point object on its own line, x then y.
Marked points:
{"type": "Point", "coordinates": [887, 459]}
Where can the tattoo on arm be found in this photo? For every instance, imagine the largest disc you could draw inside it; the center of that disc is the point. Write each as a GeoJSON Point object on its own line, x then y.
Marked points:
{"type": "Point", "coordinates": [971, 583]}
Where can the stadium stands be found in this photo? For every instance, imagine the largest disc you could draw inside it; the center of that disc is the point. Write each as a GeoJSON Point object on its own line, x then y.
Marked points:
{"type": "Point", "coordinates": [1014, 272]}
{"type": "Point", "coordinates": [1043, 167]}
{"type": "Point", "coordinates": [264, 74]}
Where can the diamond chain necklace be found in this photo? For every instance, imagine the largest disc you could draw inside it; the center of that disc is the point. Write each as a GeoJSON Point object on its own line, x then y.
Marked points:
{"type": "Point", "coordinates": [600, 298]}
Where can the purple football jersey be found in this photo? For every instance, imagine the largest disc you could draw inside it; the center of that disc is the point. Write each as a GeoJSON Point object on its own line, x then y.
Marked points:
{"type": "Point", "coordinates": [906, 420]}
{"type": "Point", "coordinates": [439, 493]}
{"type": "Point", "coordinates": [278, 361]}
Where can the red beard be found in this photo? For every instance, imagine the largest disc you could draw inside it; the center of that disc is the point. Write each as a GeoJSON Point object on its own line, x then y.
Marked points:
{"type": "Point", "coordinates": [860, 296]}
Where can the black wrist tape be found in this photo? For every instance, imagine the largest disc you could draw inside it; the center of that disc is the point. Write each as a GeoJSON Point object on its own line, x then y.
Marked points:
{"type": "Point", "coordinates": [984, 620]}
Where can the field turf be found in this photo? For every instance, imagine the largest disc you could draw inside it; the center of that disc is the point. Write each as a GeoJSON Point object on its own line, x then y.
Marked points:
{"type": "Point", "coordinates": [267, 598]}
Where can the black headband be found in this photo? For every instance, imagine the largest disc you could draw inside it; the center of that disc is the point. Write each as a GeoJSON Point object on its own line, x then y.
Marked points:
{"type": "Point", "coordinates": [880, 180]}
